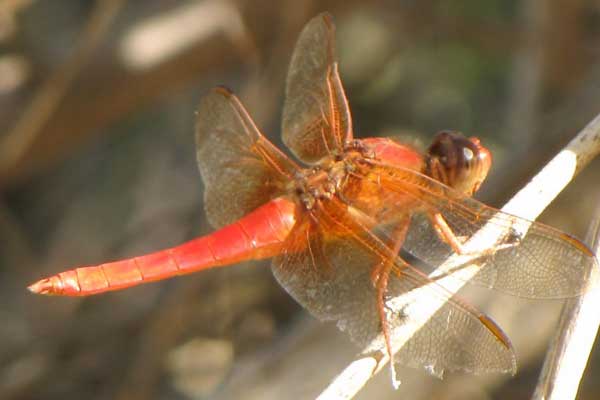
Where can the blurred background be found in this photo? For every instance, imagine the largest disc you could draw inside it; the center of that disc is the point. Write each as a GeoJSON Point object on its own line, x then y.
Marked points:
{"type": "Point", "coordinates": [97, 162]}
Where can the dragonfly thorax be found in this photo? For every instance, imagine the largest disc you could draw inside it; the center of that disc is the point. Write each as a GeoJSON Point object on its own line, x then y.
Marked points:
{"type": "Point", "coordinates": [319, 183]}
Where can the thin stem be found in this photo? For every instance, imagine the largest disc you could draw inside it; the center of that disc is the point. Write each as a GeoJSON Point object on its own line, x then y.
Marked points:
{"type": "Point", "coordinates": [577, 329]}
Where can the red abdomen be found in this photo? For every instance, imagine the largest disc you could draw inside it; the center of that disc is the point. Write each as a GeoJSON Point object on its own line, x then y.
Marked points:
{"type": "Point", "coordinates": [258, 235]}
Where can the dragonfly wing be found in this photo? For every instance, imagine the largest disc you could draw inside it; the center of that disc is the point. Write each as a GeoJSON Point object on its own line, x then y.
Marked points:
{"type": "Point", "coordinates": [456, 337]}
{"type": "Point", "coordinates": [327, 267]}
{"type": "Point", "coordinates": [525, 258]}
{"type": "Point", "coordinates": [316, 117]}
{"type": "Point", "coordinates": [329, 276]}
{"type": "Point", "coordinates": [240, 168]}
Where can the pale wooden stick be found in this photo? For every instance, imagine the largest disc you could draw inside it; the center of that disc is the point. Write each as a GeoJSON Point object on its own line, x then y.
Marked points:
{"type": "Point", "coordinates": [577, 329]}
{"type": "Point", "coordinates": [528, 203]}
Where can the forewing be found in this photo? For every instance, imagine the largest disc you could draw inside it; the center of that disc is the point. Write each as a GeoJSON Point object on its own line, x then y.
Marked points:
{"type": "Point", "coordinates": [316, 117]}
{"type": "Point", "coordinates": [525, 259]}
{"type": "Point", "coordinates": [326, 267]}
{"type": "Point", "coordinates": [240, 168]}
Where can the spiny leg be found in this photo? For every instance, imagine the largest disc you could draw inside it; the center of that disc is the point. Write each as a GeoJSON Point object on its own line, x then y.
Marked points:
{"type": "Point", "coordinates": [447, 235]}
{"type": "Point", "coordinates": [380, 277]}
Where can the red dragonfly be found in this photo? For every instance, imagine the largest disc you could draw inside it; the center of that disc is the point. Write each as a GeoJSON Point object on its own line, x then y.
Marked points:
{"type": "Point", "coordinates": [336, 223]}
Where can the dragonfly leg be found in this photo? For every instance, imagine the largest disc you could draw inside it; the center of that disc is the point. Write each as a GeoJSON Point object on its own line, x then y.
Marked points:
{"type": "Point", "coordinates": [446, 234]}
{"type": "Point", "coordinates": [382, 282]}
{"type": "Point", "coordinates": [394, 244]}
{"type": "Point", "coordinates": [380, 277]}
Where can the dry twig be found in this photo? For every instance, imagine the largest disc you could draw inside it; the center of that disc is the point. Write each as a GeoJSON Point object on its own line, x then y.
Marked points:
{"type": "Point", "coordinates": [577, 329]}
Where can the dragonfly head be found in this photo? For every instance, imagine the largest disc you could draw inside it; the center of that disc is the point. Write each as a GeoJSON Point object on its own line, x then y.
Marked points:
{"type": "Point", "coordinates": [457, 161]}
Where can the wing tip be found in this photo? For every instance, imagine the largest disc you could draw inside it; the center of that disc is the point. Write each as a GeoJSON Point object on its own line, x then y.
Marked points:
{"type": "Point", "coordinates": [579, 245]}
{"type": "Point", "coordinates": [223, 91]}
{"type": "Point", "coordinates": [327, 18]}
{"type": "Point", "coordinates": [495, 329]}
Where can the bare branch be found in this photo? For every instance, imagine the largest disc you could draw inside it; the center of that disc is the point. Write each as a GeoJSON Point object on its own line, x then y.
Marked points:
{"type": "Point", "coordinates": [577, 329]}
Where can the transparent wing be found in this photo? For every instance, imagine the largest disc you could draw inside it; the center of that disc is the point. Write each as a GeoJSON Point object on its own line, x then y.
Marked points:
{"type": "Point", "coordinates": [456, 338]}
{"type": "Point", "coordinates": [316, 117]}
{"type": "Point", "coordinates": [240, 168]}
{"type": "Point", "coordinates": [326, 267]}
{"type": "Point", "coordinates": [525, 259]}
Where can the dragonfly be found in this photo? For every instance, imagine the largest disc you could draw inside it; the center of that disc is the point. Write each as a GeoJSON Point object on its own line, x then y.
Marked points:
{"type": "Point", "coordinates": [351, 223]}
